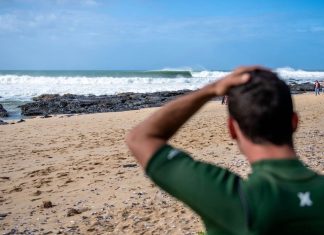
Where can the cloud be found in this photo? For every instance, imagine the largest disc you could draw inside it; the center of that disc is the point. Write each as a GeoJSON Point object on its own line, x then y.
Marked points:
{"type": "Point", "coordinates": [29, 22]}
{"type": "Point", "coordinates": [76, 2]}
{"type": "Point", "coordinates": [80, 23]}
{"type": "Point", "coordinates": [317, 28]}
{"type": "Point", "coordinates": [9, 23]}
{"type": "Point", "coordinates": [70, 23]}
{"type": "Point", "coordinates": [55, 2]}
{"type": "Point", "coordinates": [25, 22]}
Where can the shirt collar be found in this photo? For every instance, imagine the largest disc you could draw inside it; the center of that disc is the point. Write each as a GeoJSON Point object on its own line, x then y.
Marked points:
{"type": "Point", "coordinates": [284, 168]}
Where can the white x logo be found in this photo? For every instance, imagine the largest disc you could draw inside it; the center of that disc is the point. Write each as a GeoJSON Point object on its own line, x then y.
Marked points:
{"type": "Point", "coordinates": [172, 153]}
{"type": "Point", "coordinates": [305, 199]}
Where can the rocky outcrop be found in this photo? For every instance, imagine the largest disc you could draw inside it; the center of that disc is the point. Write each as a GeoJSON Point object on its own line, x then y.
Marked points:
{"type": "Point", "coordinates": [3, 122]}
{"type": "Point", "coordinates": [3, 112]}
{"type": "Point", "coordinates": [300, 88]}
{"type": "Point", "coordinates": [70, 104]}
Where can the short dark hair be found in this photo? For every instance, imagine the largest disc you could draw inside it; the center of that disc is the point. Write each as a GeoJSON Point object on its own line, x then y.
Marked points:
{"type": "Point", "coordinates": [263, 108]}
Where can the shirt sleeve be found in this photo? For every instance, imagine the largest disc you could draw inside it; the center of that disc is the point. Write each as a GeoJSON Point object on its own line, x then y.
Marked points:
{"type": "Point", "coordinates": [211, 191]}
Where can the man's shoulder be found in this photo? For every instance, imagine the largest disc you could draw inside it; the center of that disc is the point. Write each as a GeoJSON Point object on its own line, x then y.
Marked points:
{"type": "Point", "coordinates": [273, 199]}
{"type": "Point", "coordinates": [291, 177]}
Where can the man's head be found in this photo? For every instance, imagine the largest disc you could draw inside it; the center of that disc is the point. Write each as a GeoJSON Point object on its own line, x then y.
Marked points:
{"type": "Point", "coordinates": [263, 109]}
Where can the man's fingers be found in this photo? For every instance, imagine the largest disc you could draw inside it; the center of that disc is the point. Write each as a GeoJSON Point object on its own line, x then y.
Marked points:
{"type": "Point", "coordinates": [246, 69]}
{"type": "Point", "coordinates": [237, 77]}
{"type": "Point", "coordinates": [236, 80]}
{"type": "Point", "coordinates": [245, 77]}
{"type": "Point", "coordinates": [241, 75]}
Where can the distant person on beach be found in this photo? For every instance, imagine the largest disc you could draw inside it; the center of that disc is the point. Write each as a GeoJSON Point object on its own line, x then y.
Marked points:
{"type": "Point", "coordinates": [224, 99]}
{"type": "Point", "coordinates": [317, 87]}
{"type": "Point", "coordinates": [281, 196]}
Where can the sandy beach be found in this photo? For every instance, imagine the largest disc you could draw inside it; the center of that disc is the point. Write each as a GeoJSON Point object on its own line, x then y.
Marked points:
{"type": "Point", "coordinates": [74, 174]}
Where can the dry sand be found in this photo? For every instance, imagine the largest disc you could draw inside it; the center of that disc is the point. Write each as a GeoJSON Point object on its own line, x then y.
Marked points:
{"type": "Point", "coordinates": [82, 166]}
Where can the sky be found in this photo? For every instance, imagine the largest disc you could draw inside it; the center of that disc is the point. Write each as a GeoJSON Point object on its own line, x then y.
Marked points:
{"type": "Point", "coordinates": [157, 34]}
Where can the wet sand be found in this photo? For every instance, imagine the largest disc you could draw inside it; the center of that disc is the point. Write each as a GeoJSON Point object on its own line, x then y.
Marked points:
{"type": "Point", "coordinates": [75, 175]}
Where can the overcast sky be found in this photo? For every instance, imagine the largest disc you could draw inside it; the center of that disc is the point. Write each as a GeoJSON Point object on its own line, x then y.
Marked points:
{"type": "Point", "coordinates": [155, 34]}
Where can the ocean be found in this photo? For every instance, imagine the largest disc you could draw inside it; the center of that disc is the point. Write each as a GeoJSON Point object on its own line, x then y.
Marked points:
{"type": "Point", "coordinates": [20, 86]}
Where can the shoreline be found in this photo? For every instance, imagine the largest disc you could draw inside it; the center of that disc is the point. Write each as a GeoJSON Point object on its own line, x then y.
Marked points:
{"type": "Point", "coordinates": [54, 104]}
{"type": "Point", "coordinates": [76, 175]}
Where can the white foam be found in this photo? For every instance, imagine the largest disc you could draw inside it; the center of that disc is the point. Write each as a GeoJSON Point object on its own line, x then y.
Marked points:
{"type": "Point", "coordinates": [24, 87]}
{"type": "Point", "coordinates": [285, 73]}
{"type": "Point", "coordinates": [212, 75]}
{"type": "Point", "coordinates": [299, 75]}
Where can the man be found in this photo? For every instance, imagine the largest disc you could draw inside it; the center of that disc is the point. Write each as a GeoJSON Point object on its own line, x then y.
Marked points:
{"type": "Point", "coordinates": [281, 196]}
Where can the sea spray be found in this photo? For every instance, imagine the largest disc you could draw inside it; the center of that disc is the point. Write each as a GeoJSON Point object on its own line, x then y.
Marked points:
{"type": "Point", "coordinates": [23, 85]}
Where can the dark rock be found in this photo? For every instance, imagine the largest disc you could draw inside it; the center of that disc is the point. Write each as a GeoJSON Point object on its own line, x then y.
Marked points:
{"type": "Point", "coordinates": [72, 212]}
{"type": "Point", "coordinates": [3, 112]}
{"type": "Point", "coordinates": [3, 215]}
{"type": "Point", "coordinates": [47, 204]}
{"type": "Point", "coordinates": [37, 193]}
{"type": "Point", "coordinates": [46, 97]}
{"type": "Point", "coordinates": [46, 233]}
{"type": "Point", "coordinates": [129, 165]}
{"type": "Point", "coordinates": [21, 120]}
{"type": "Point", "coordinates": [300, 88]}
{"type": "Point", "coordinates": [5, 177]}
{"type": "Point", "coordinates": [12, 231]}
{"type": "Point", "coordinates": [46, 116]}
{"type": "Point", "coordinates": [72, 104]}
{"type": "Point", "coordinates": [3, 122]}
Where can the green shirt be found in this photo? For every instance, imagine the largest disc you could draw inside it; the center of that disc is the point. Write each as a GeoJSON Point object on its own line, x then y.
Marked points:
{"type": "Point", "coordinates": [280, 196]}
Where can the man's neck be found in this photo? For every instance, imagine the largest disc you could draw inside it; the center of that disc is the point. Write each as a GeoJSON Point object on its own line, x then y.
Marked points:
{"type": "Point", "coordinates": [265, 152]}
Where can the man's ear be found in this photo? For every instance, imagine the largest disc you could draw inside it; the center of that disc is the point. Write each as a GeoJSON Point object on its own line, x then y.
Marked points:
{"type": "Point", "coordinates": [231, 128]}
{"type": "Point", "coordinates": [294, 121]}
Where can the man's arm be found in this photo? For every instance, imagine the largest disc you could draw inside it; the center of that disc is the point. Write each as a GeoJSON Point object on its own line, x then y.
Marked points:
{"type": "Point", "coordinates": [154, 132]}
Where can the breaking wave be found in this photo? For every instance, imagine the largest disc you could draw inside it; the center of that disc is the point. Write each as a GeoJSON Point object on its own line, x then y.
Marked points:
{"type": "Point", "coordinates": [23, 85]}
